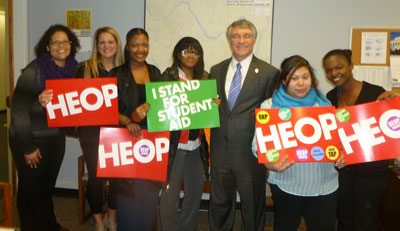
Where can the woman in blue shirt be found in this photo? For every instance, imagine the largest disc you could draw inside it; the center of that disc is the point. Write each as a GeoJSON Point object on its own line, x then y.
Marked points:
{"type": "Point", "coordinates": [300, 189]}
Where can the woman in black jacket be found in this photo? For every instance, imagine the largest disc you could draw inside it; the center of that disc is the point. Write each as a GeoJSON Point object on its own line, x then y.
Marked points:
{"type": "Point", "coordinates": [188, 153]}
{"type": "Point", "coordinates": [38, 150]}
{"type": "Point", "coordinates": [107, 54]}
{"type": "Point", "coordinates": [137, 199]}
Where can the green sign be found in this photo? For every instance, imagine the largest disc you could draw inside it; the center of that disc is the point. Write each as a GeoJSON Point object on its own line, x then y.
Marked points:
{"type": "Point", "coordinates": [182, 105]}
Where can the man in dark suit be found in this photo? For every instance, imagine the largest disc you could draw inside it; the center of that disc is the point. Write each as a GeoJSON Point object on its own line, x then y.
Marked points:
{"type": "Point", "coordinates": [243, 84]}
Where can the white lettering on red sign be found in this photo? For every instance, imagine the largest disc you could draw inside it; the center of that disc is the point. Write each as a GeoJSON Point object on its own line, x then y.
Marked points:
{"type": "Point", "coordinates": [143, 151]}
{"type": "Point", "coordinates": [368, 135]}
{"type": "Point", "coordinates": [69, 103]}
{"type": "Point", "coordinates": [289, 137]}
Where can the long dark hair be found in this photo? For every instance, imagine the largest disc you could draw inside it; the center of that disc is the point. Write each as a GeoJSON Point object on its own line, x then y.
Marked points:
{"type": "Point", "coordinates": [44, 42]}
{"type": "Point", "coordinates": [189, 43]}
{"type": "Point", "coordinates": [129, 35]}
{"type": "Point", "coordinates": [288, 67]}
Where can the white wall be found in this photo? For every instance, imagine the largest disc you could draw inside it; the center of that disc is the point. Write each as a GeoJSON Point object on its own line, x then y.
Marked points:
{"type": "Point", "coordinates": [20, 36]}
{"type": "Point", "coordinates": [121, 15]}
{"type": "Point", "coordinates": [3, 68]}
{"type": "Point", "coordinates": [311, 28]}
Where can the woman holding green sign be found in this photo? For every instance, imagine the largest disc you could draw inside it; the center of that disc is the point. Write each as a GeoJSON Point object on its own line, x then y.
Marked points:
{"type": "Point", "coordinates": [188, 153]}
{"type": "Point", "coordinates": [137, 199]}
{"type": "Point", "coordinates": [299, 189]}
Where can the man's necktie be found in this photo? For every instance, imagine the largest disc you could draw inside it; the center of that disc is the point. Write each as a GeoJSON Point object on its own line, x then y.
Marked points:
{"type": "Point", "coordinates": [235, 86]}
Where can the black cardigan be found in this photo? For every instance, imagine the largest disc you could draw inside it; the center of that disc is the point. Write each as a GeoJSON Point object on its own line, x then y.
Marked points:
{"type": "Point", "coordinates": [28, 118]}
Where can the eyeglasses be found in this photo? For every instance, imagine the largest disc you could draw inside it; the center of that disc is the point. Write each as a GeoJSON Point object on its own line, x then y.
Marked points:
{"type": "Point", "coordinates": [59, 43]}
{"type": "Point", "coordinates": [190, 52]}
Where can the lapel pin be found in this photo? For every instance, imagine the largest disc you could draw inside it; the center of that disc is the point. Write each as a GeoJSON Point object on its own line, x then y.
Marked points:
{"type": "Point", "coordinates": [256, 70]}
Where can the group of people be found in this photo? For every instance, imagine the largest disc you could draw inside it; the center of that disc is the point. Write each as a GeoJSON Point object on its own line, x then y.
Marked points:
{"type": "Point", "coordinates": [324, 193]}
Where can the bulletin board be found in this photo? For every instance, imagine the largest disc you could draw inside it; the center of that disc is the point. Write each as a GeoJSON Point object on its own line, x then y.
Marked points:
{"type": "Point", "coordinates": [356, 43]}
{"type": "Point", "coordinates": [356, 47]}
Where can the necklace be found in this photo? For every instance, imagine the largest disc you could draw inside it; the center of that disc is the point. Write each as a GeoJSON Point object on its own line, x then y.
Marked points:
{"type": "Point", "coordinates": [354, 94]}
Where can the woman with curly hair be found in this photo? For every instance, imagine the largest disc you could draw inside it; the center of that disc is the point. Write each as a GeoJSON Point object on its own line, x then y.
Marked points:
{"type": "Point", "coordinates": [38, 150]}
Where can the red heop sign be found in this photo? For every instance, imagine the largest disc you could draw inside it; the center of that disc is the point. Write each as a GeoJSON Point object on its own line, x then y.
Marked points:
{"type": "Point", "coordinates": [305, 134]}
{"type": "Point", "coordinates": [83, 102]}
{"type": "Point", "coordinates": [121, 156]}
{"type": "Point", "coordinates": [371, 131]}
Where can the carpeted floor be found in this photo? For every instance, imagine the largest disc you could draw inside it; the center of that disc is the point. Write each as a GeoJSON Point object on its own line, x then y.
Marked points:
{"type": "Point", "coordinates": [66, 208]}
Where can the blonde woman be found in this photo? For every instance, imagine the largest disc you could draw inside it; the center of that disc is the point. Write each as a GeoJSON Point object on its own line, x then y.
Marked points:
{"type": "Point", "coordinates": [107, 54]}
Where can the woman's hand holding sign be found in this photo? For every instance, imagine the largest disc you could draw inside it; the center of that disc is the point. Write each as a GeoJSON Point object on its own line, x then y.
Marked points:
{"type": "Point", "coordinates": [133, 128]}
{"type": "Point", "coordinates": [140, 112]}
{"type": "Point", "coordinates": [341, 162]}
{"type": "Point", "coordinates": [386, 95]}
{"type": "Point", "coordinates": [45, 97]}
{"type": "Point", "coordinates": [279, 166]}
{"type": "Point", "coordinates": [217, 101]}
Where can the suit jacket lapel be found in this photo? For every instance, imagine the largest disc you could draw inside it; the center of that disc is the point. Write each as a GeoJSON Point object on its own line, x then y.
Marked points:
{"type": "Point", "coordinates": [223, 72]}
{"type": "Point", "coordinates": [250, 76]}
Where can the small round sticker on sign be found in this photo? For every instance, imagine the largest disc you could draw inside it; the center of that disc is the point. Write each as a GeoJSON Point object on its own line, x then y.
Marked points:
{"type": "Point", "coordinates": [394, 123]}
{"type": "Point", "coordinates": [262, 117]}
{"type": "Point", "coordinates": [317, 153]}
{"type": "Point", "coordinates": [285, 114]}
{"type": "Point", "coordinates": [342, 115]}
{"type": "Point", "coordinates": [302, 154]}
{"type": "Point", "coordinates": [272, 155]}
{"type": "Point", "coordinates": [144, 150]}
{"type": "Point", "coordinates": [332, 152]}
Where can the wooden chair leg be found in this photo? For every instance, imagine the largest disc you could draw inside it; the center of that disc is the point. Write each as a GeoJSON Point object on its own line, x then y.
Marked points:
{"type": "Point", "coordinates": [82, 204]}
{"type": "Point", "coordinates": [155, 223]}
{"type": "Point", "coordinates": [6, 188]}
{"type": "Point", "coordinates": [81, 190]}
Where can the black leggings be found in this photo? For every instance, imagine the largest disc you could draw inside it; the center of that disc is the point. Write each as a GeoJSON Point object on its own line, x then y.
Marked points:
{"type": "Point", "coordinates": [94, 192]}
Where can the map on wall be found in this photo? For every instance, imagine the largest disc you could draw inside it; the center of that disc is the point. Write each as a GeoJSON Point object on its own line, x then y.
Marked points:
{"type": "Point", "coordinates": [167, 21]}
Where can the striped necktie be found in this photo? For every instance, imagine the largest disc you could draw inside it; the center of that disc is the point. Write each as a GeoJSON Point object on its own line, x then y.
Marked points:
{"type": "Point", "coordinates": [235, 86]}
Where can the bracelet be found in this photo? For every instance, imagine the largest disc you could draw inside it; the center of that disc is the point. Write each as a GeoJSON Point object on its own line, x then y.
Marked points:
{"type": "Point", "coordinates": [127, 122]}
